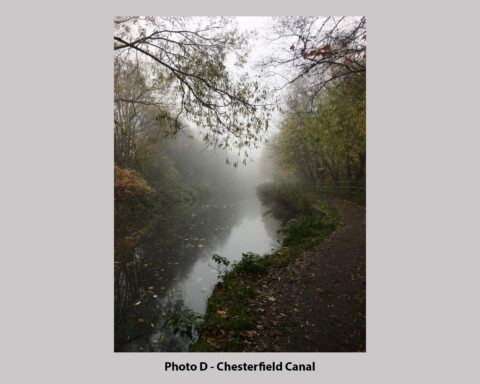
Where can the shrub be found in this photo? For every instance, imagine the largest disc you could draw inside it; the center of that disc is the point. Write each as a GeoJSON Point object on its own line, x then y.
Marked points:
{"type": "Point", "coordinates": [129, 184]}
{"type": "Point", "coordinates": [319, 220]}
{"type": "Point", "coordinates": [132, 193]}
{"type": "Point", "coordinates": [251, 263]}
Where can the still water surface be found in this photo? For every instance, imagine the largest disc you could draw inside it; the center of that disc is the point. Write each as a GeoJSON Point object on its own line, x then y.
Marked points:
{"type": "Point", "coordinates": [172, 267]}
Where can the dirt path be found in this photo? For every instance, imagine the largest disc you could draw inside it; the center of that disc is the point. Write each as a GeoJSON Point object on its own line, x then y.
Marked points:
{"type": "Point", "coordinates": [317, 303]}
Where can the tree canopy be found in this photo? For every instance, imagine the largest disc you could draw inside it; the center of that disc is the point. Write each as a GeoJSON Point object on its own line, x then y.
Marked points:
{"type": "Point", "coordinates": [184, 61]}
{"type": "Point", "coordinates": [316, 49]}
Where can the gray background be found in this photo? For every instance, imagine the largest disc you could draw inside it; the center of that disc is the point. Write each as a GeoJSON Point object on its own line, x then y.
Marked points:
{"type": "Point", "coordinates": [57, 196]}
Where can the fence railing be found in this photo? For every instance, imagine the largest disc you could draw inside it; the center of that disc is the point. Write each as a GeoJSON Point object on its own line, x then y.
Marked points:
{"type": "Point", "coordinates": [355, 191]}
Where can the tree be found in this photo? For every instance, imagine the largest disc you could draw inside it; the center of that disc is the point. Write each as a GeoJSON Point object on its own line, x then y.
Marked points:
{"type": "Point", "coordinates": [318, 50]}
{"type": "Point", "coordinates": [328, 143]}
{"type": "Point", "coordinates": [191, 55]}
{"type": "Point", "coordinates": [323, 63]}
{"type": "Point", "coordinates": [140, 117]}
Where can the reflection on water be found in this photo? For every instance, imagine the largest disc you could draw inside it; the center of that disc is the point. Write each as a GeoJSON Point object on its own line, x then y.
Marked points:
{"type": "Point", "coordinates": [172, 267]}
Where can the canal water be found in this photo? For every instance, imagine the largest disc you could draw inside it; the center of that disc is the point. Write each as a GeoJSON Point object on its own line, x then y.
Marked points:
{"type": "Point", "coordinates": [167, 278]}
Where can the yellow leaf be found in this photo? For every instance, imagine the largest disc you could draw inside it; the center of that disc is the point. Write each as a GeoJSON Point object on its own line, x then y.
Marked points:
{"type": "Point", "coordinates": [222, 313]}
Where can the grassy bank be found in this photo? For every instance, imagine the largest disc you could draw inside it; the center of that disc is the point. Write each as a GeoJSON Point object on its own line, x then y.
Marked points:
{"type": "Point", "coordinates": [228, 319]}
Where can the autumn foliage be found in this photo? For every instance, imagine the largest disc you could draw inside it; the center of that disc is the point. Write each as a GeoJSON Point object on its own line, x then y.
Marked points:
{"type": "Point", "coordinates": [129, 185]}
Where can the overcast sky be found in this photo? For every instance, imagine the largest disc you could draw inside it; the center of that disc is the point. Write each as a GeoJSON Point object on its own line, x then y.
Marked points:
{"type": "Point", "coordinates": [259, 48]}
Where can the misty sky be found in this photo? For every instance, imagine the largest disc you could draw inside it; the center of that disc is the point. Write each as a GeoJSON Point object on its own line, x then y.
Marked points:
{"type": "Point", "coordinates": [259, 47]}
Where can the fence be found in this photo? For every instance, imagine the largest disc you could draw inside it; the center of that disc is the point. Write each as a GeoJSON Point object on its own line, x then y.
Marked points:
{"type": "Point", "coordinates": [345, 189]}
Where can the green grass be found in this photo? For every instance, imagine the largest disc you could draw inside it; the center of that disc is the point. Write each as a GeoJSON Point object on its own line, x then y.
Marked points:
{"type": "Point", "coordinates": [228, 317]}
